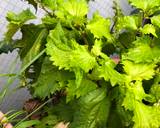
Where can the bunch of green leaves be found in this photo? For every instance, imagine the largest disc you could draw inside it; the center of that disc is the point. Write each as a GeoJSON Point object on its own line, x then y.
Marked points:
{"type": "Point", "coordinates": [71, 59]}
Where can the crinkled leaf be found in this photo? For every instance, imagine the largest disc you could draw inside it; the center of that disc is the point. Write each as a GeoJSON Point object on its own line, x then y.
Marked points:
{"type": "Point", "coordinates": [156, 20]}
{"type": "Point", "coordinates": [47, 20]}
{"type": "Point", "coordinates": [100, 27]}
{"type": "Point", "coordinates": [94, 110]}
{"type": "Point", "coordinates": [127, 22]}
{"type": "Point", "coordinates": [146, 116]}
{"type": "Point", "coordinates": [31, 48]}
{"type": "Point", "coordinates": [106, 68]}
{"type": "Point", "coordinates": [21, 17]}
{"type": "Point", "coordinates": [139, 71]}
{"type": "Point", "coordinates": [97, 47]}
{"type": "Point", "coordinates": [134, 93]}
{"type": "Point", "coordinates": [85, 87]}
{"type": "Point", "coordinates": [29, 36]}
{"type": "Point", "coordinates": [16, 21]}
{"type": "Point", "coordinates": [79, 74]}
{"type": "Point", "coordinates": [107, 72]}
{"type": "Point", "coordinates": [73, 10]}
{"type": "Point", "coordinates": [149, 29]}
{"type": "Point", "coordinates": [50, 80]}
{"type": "Point", "coordinates": [126, 38]}
{"type": "Point", "coordinates": [36, 48]}
{"type": "Point", "coordinates": [64, 111]}
{"type": "Point", "coordinates": [142, 53]}
{"type": "Point", "coordinates": [77, 8]}
{"type": "Point", "coordinates": [68, 54]}
{"type": "Point", "coordinates": [155, 89]}
{"type": "Point", "coordinates": [142, 40]}
{"type": "Point", "coordinates": [145, 5]}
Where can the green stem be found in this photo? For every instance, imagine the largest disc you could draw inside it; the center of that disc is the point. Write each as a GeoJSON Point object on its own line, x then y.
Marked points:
{"type": "Point", "coordinates": [11, 80]}
{"type": "Point", "coordinates": [41, 106]}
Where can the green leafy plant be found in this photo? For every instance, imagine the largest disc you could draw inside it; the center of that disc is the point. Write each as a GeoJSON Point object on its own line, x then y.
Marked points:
{"type": "Point", "coordinates": [99, 72]}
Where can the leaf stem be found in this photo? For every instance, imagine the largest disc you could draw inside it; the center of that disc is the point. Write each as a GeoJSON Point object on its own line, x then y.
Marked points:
{"type": "Point", "coordinates": [41, 106]}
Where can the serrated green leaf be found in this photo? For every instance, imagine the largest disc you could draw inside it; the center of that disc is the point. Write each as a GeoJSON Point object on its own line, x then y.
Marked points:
{"type": "Point", "coordinates": [97, 47]}
{"type": "Point", "coordinates": [106, 66]}
{"type": "Point", "coordinates": [21, 17]}
{"type": "Point", "coordinates": [139, 71]}
{"type": "Point", "coordinates": [29, 36]}
{"type": "Point", "coordinates": [48, 122]}
{"type": "Point", "coordinates": [144, 116]}
{"type": "Point", "coordinates": [149, 29]}
{"type": "Point", "coordinates": [76, 8]}
{"type": "Point", "coordinates": [134, 93]}
{"type": "Point", "coordinates": [75, 92]}
{"type": "Point", "coordinates": [155, 88]}
{"type": "Point", "coordinates": [79, 74]}
{"type": "Point", "coordinates": [142, 52]}
{"type": "Point", "coordinates": [79, 66]}
{"type": "Point", "coordinates": [126, 38]}
{"type": "Point", "coordinates": [72, 10]}
{"type": "Point", "coordinates": [62, 110]}
{"type": "Point", "coordinates": [107, 71]}
{"type": "Point", "coordinates": [51, 4]}
{"type": "Point", "coordinates": [156, 20]}
{"type": "Point", "coordinates": [16, 21]}
{"type": "Point", "coordinates": [94, 110]}
{"type": "Point", "coordinates": [100, 27]}
{"type": "Point", "coordinates": [50, 80]}
{"type": "Point", "coordinates": [27, 124]}
{"type": "Point", "coordinates": [68, 54]}
{"type": "Point", "coordinates": [49, 21]}
{"type": "Point", "coordinates": [145, 5]}
{"type": "Point", "coordinates": [36, 48]}
{"type": "Point", "coordinates": [142, 40]}
{"type": "Point", "coordinates": [127, 22]}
